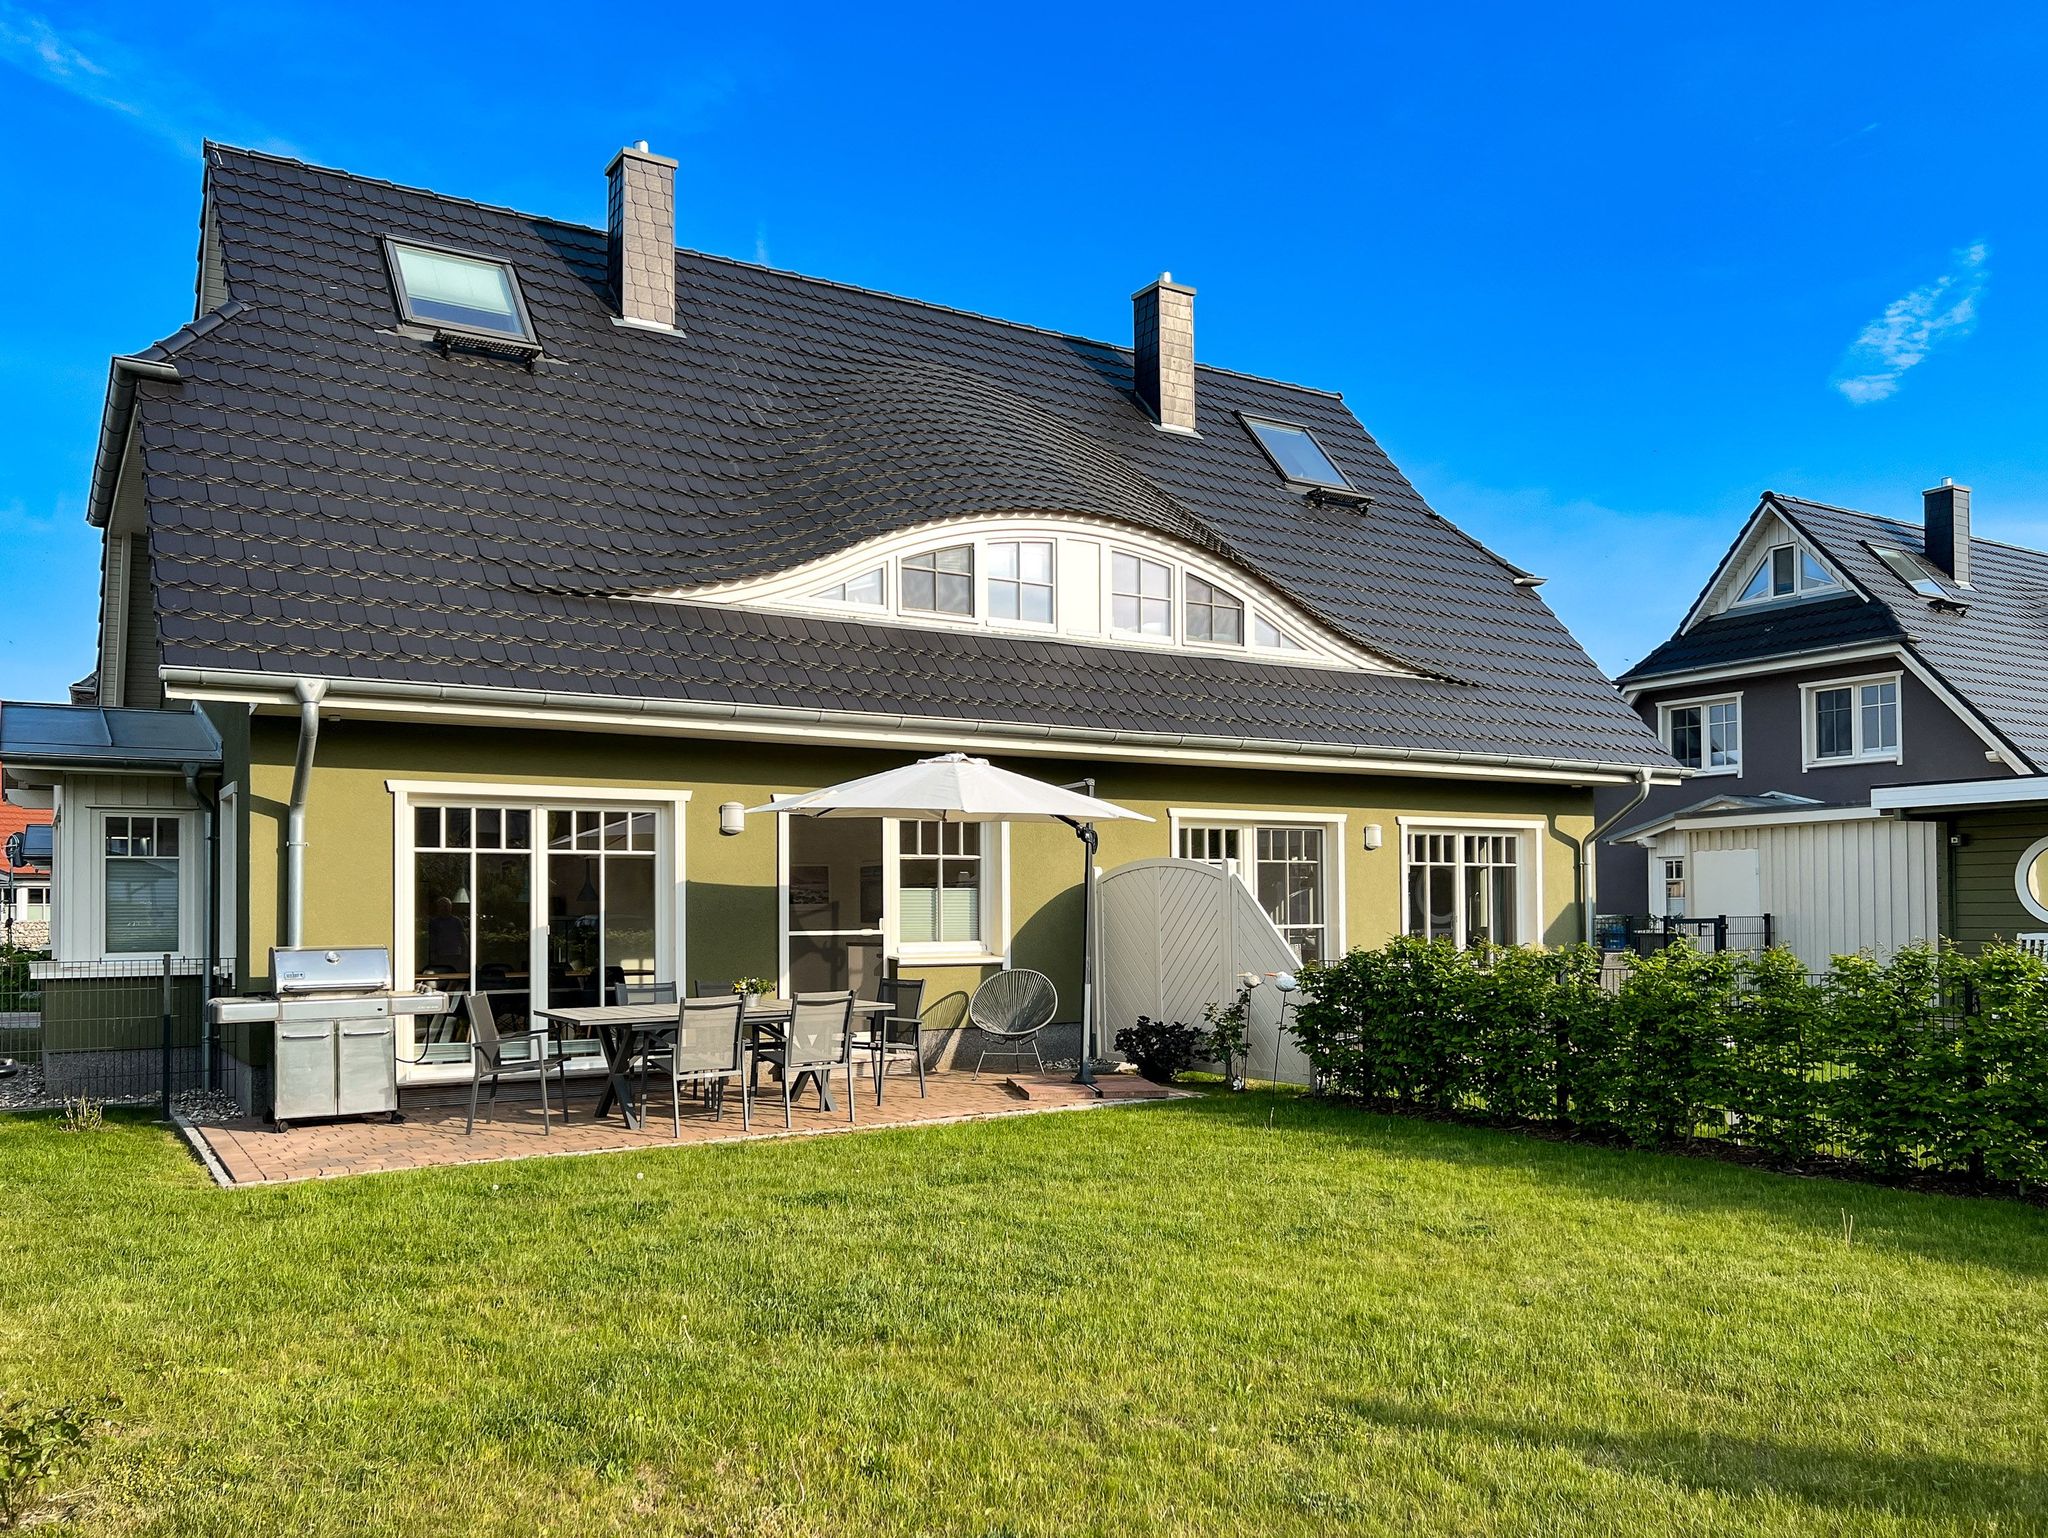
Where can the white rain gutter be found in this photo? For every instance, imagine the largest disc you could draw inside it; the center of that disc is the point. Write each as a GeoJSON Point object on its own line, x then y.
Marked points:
{"type": "Point", "coordinates": [309, 691]}
{"type": "Point", "coordinates": [1585, 880]}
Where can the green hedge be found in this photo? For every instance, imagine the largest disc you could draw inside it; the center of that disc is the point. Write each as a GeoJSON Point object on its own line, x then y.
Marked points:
{"type": "Point", "coordinates": [1933, 1060]}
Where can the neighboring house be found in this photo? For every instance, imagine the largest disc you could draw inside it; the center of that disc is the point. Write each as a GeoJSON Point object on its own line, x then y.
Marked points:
{"type": "Point", "coordinates": [539, 543]}
{"type": "Point", "coordinates": [25, 919]}
{"type": "Point", "coordinates": [1832, 653]}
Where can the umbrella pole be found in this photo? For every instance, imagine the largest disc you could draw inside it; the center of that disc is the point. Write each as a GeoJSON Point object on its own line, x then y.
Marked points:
{"type": "Point", "coordinates": [1085, 832]}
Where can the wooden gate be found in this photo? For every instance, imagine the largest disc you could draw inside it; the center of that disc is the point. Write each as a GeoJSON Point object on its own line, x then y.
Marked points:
{"type": "Point", "coordinates": [1177, 935]}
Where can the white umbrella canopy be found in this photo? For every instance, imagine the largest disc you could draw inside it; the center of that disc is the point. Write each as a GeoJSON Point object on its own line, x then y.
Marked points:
{"type": "Point", "coordinates": [953, 788]}
{"type": "Point", "coordinates": [957, 788]}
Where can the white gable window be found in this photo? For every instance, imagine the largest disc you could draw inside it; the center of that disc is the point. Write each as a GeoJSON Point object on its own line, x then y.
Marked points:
{"type": "Point", "coordinates": [939, 581]}
{"type": "Point", "coordinates": [1076, 577]}
{"type": "Point", "coordinates": [1141, 595]}
{"type": "Point", "coordinates": [1020, 584]}
{"type": "Point", "coordinates": [1786, 571]}
{"type": "Point", "coordinates": [869, 590]}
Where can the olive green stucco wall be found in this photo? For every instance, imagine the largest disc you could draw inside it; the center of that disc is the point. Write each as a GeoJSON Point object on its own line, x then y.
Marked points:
{"type": "Point", "coordinates": [731, 918]}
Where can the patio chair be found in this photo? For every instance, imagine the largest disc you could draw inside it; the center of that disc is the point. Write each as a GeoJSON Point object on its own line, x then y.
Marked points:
{"type": "Point", "coordinates": [818, 1039]}
{"type": "Point", "coordinates": [710, 988]}
{"type": "Point", "coordinates": [644, 993]}
{"type": "Point", "coordinates": [900, 1033]}
{"type": "Point", "coordinates": [1009, 1010]}
{"type": "Point", "coordinates": [709, 1049]}
{"type": "Point", "coordinates": [514, 1059]}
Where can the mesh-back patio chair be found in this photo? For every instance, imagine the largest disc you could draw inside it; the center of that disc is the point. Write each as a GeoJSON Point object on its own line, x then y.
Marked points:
{"type": "Point", "coordinates": [710, 988]}
{"type": "Point", "coordinates": [709, 1050]}
{"type": "Point", "coordinates": [644, 993]}
{"type": "Point", "coordinates": [522, 1057]}
{"type": "Point", "coordinates": [898, 1034]}
{"type": "Point", "coordinates": [817, 1039]}
{"type": "Point", "coordinates": [1009, 1010]}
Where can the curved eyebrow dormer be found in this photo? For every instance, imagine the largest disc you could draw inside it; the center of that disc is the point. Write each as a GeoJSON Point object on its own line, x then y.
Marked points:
{"type": "Point", "coordinates": [1069, 577]}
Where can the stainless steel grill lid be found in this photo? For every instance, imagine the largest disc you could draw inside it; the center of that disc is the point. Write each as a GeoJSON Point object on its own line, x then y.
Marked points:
{"type": "Point", "coordinates": [344, 969]}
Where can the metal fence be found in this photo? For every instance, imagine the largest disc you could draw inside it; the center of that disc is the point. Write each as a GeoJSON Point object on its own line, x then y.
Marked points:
{"type": "Point", "coordinates": [110, 1030]}
{"type": "Point", "coordinates": [1643, 933]}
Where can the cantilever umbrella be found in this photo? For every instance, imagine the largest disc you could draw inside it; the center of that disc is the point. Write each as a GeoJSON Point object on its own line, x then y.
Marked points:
{"type": "Point", "coordinates": [956, 788]}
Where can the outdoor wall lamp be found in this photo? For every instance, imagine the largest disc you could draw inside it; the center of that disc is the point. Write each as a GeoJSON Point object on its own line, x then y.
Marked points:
{"type": "Point", "coordinates": [1374, 835]}
{"type": "Point", "coordinates": [732, 818]}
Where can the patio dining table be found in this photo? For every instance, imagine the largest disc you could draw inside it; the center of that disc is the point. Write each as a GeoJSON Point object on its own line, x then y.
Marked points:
{"type": "Point", "coordinates": [624, 1029]}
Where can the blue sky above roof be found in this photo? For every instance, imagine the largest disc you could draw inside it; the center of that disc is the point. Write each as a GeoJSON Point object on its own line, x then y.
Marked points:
{"type": "Point", "coordinates": [1594, 282]}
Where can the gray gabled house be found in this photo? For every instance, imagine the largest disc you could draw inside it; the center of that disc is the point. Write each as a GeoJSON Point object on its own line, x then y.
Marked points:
{"type": "Point", "coordinates": [1833, 653]}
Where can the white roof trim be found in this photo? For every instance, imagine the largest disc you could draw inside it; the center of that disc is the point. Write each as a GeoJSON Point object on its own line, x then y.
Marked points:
{"type": "Point", "coordinates": [2009, 790]}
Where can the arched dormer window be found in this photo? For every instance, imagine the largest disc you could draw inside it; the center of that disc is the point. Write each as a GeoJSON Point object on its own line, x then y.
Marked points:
{"type": "Point", "coordinates": [1069, 576]}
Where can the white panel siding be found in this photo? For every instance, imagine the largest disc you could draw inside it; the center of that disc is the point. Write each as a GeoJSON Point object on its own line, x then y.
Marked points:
{"type": "Point", "coordinates": [75, 866]}
{"type": "Point", "coordinates": [1835, 888]}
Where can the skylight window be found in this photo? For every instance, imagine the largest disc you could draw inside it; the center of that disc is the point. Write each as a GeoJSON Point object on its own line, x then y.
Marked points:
{"type": "Point", "coordinates": [446, 289]}
{"type": "Point", "coordinates": [1296, 454]}
{"type": "Point", "coordinates": [1911, 570]}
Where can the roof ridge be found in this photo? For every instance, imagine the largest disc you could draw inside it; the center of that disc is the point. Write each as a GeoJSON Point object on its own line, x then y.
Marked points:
{"type": "Point", "coordinates": [1907, 523]}
{"type": "Point", "coordinates": [211, 145]}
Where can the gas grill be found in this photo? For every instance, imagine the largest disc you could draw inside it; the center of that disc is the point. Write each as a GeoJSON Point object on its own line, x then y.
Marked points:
{"type": "Point", "coordinates": [334, 1022]}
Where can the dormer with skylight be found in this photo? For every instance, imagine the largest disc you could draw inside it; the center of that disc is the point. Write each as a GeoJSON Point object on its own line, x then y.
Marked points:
{"type": "Point", "coordinates": [1068, 577]}
{"type": "Point", "coordinates": [462, 298]}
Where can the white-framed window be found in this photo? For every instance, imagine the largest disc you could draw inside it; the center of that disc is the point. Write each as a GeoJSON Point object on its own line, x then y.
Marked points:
{"type": "Point", "coordinates": [1673, 877]}
{"type": "Point", "coordinates": [1020, 582]}
{"type": "Point", "coordinates": [1291, 866]}
{"type": "Point", "coordinates": [938, 581]}
{"type": "Point", "coordinates": [1141, 595]}
{"type": "Point", "coordinates": [32, 900]}
{"type": "Point", "coordinates": [1063, 574]}
{"type": "Point", "coordinates": [1705, 735]}
{"type": "Point", "coordinates": [1472, 884]}
{"type": "Point", "coordinates": [1851, 719]}
{"type": "Point", "coordinates": [1786, 571]}
{"type": "Point", "coordinates": [146, 887]}
{"type": "Point", "coordinates": [941, 880]}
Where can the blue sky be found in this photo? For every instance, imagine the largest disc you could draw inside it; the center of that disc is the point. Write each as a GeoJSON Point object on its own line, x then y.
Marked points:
{"type": "Point", "coordinates": [1594, 276]}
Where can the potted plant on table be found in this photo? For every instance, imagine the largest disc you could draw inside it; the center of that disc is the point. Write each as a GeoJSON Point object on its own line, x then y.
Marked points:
{"type": "Point", "coordinates": [755, 989]}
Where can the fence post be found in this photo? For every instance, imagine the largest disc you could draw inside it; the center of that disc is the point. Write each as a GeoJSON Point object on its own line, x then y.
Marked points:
{"type": "Point", "coordinates": [167, 1038]}
{"type": "Point", "coordinates": [1721, 933]}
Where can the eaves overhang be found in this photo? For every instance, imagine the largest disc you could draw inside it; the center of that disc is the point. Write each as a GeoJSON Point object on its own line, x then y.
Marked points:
{"type": "Point", "coordinates": [551, 709]}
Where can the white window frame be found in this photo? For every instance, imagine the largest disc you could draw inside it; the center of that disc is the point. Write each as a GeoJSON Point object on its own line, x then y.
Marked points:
{"type": "Point", "coordinates": [1533, 833]}
{"type": "Point", "coordinates": [670, 881]}
{"type": "Point", "coordinates": [2034, 851]}
{"type": "Point", "coordinates": [993, 949]}
{"type": "Point", "coordinates": [986, 579]}
{"type": "Point", "coordinates": [1801, 588]}
{"type": "Point", "coordinates": [1702, 703]}
{"type": "Point", "coordinates": [1810, 736]}
{"type": "Point", "coordinates": [1336, 843]}
{"type": "Point", "coordinates": [191, 881]}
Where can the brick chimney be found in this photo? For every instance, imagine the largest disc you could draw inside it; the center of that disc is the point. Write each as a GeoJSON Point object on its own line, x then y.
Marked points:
{"type": "Point", "coordinates": [1947, 540]}
{"type": "Point", "coordinates": [641, 220]}
{"type": "Point", "coordinates": [1163, 351]}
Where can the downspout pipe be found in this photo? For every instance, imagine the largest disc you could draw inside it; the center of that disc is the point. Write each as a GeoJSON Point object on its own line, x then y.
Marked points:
{"type": "Point", "coordinates": [1584, 884]}
{"type": "Point", "coordinates": [208, 803]}
{"type": "Point", "coordinates": [310, 692]}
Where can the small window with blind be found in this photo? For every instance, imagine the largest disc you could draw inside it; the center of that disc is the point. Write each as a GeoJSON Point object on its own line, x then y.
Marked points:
{"type": "Point", "coordinates": [939, 882]}
{"type": "Point", "coordinates": [140, 884]}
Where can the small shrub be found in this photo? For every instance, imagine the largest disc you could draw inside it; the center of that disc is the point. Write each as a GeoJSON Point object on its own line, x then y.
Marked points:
{"type": "Point", "coordinates": [1161, 1051]}
{"type": "Point", "coordinates": [1228, 1040]}
{"type": "Point", "coordinates": [84, 1114]}
{"type": "Point", "coordinates": [34, 1444]}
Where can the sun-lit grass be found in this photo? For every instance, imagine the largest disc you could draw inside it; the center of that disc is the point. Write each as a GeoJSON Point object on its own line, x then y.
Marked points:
{"type": "Point", "coordinates": [1157, 1320]}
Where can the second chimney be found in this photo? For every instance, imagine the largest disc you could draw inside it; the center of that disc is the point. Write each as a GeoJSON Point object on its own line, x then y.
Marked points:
{"type": "Point", "coordinates": [1947, 538]}
{"type": "Point", "coordinates": [641, 220]}
{"type": "Point", "coordinates": [1163, 351]}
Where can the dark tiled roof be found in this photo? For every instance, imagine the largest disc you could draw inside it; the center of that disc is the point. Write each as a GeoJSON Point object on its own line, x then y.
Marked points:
{"type": "Point", "coordinates": [331, 498]}
{"type": "Point", "coordinates": [1993, 653]}
{"type": "Point", "coordinates": [1750, 635]}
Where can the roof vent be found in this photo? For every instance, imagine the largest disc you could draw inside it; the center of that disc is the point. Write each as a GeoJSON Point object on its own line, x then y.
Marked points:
{"type": "Point", "coordinates": [1163, 352]}
{"type": "Point", "coordinates": [1947, 538]}
{"type": "Point", "coordinates": [641, 222]}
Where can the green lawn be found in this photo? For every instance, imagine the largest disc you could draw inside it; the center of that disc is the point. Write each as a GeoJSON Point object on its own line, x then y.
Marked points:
{"type": "Point", "coordinates": [1157, 1320]}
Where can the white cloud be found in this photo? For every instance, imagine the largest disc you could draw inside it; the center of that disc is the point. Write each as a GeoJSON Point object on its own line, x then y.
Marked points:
{"type": "Point", "coordinates": [1912, 326]}
{"type": "Point", "coordinates": [152, 97]}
